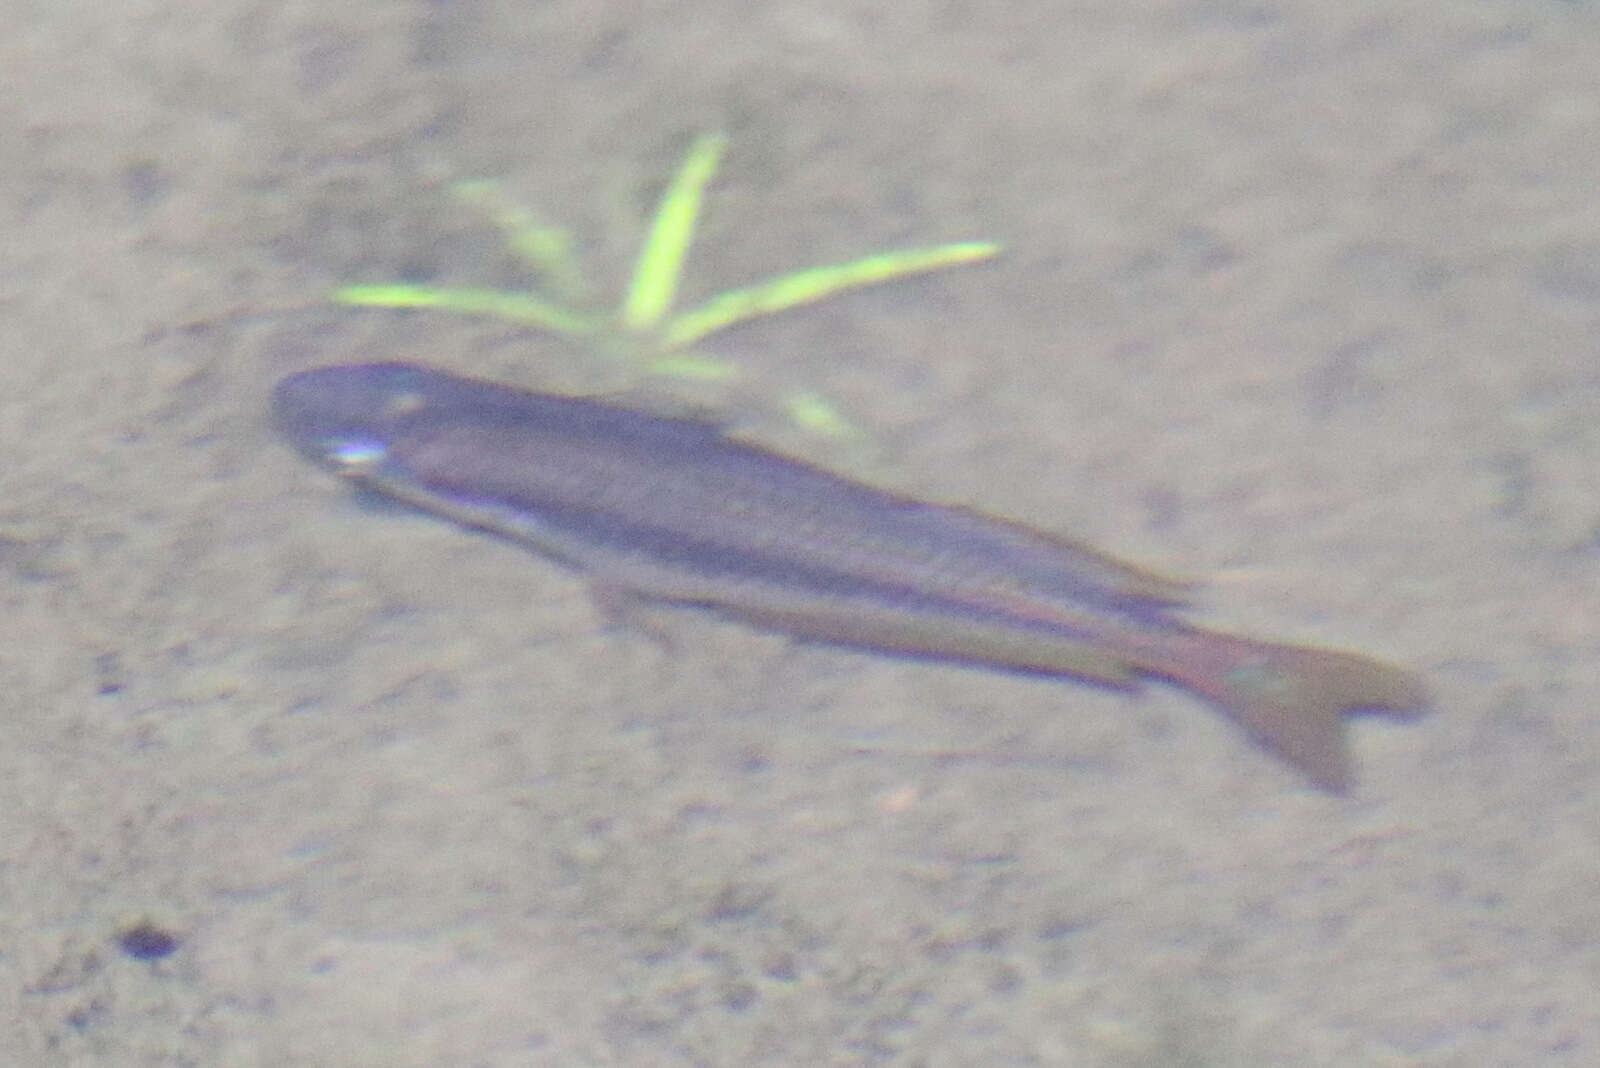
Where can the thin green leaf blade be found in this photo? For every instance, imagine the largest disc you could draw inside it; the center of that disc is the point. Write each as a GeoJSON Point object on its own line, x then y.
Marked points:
{"type": "Point", "coordinates": [548, 250]}
{"type": "Point", "coordinates": [514, 307]}
{"type": "Point", "coordinates": [808, 286]}
{"type": "Point", "coordinates": [655, 276]}
{"type": "Point", "coordinates": [817, 414]}
{"type": "Point", "coordinates": [691, 367]}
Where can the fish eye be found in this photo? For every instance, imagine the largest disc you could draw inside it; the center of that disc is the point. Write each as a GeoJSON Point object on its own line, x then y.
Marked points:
{"type": "Point", "coordinates": [406, 402]}
{"type": "Point", "coordinates": [354, 455]}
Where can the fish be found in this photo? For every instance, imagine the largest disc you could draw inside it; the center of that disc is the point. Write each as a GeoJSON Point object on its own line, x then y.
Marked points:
{"type": "Point", "coordinates": [656, 509]}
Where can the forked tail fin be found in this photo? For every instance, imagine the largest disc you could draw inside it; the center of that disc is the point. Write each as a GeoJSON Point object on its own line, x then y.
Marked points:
{"type": "Point", "coordinates": [1293, 699]}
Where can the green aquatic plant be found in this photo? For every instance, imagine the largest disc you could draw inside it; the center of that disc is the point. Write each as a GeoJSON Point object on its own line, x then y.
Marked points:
{"type": "Point", "coordinates": [644, 327]}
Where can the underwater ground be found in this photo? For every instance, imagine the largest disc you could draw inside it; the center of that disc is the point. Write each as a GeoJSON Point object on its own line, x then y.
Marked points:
{"type": "Point", "coordinates": [1299, 299]}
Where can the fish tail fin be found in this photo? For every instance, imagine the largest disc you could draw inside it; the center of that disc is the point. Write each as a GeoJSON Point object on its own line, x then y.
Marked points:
{"type": "Point", "coordinates": [1293, 699]}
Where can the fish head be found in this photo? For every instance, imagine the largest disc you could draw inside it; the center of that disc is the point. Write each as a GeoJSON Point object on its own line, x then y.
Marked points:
{"type": "Point", "coordinates": [346, 418]}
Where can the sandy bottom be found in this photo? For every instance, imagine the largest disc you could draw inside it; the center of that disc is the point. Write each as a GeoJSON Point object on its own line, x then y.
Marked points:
{"type": "Point", "coordinates": [1299, 298]}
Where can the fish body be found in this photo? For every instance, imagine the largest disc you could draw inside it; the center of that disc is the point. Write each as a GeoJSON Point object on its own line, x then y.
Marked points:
{"type": "Point", "coordinates": [672, 510]}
